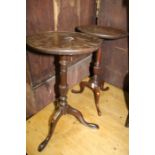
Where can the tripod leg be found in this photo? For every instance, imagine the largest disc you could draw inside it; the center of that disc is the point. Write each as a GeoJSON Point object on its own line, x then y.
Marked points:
{"type": "Point", "coordinates": [54, 121]}
{"type": "Point", "coordinates": [102, 87]}
{"type": "Point", "coordinates": [82, 85]}
{"type": "Point", "coordinates": [96, 92]}
{"type": "Point", "coordinates": [78, 115]}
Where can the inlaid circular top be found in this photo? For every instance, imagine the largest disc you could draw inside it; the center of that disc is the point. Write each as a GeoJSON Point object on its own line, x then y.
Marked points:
{"type": "Point", "coordinates": [63, 43]}
{"type": "Point", "coordinates": [103, 31]}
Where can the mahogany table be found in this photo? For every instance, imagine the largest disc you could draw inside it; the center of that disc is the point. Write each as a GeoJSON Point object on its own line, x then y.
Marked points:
{"type": "Point", "coordinates": [94, 83]}
{"type": "Point", "coordinates": [63, 44]}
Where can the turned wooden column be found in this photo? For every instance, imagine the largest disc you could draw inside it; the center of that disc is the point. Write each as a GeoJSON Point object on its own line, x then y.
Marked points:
{"type": "Point", "coordinates": [97, 67]}
{"type": "Point", "coordinates": [63, 87]}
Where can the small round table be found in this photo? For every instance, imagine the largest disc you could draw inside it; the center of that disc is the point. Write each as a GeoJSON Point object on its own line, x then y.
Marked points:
{"type": "Point", "coordinates": [107, 33]}
{"type": "Point", "coordinates": [63, 44]}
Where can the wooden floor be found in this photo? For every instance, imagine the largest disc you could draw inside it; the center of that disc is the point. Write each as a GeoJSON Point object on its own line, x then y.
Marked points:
{"type": "Point", "coordinates": [72, 138]}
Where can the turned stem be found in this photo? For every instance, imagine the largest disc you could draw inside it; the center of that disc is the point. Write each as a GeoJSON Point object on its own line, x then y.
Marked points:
{"type": "Point", "coordinates": [97, 66]}
{"type": "Point", "coordinates": [63, 87]}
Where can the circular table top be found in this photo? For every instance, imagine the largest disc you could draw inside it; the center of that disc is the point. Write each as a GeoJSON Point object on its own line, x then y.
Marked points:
{"type": "Point", "coordinates": [63, 43]}
{"type": "Point", "coordinates": [103, 32]}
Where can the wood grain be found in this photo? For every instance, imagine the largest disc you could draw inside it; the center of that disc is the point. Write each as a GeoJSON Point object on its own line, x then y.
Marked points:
{"type": "Point", "coordinates": [115, 59]}
{"type": "Point", "coordinates": [39, 17]}
{"type": "Point", "coordinates": [72, 138]}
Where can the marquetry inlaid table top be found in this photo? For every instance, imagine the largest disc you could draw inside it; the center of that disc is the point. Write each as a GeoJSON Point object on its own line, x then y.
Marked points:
{"type": "Point", "coordinates": [63, 43]}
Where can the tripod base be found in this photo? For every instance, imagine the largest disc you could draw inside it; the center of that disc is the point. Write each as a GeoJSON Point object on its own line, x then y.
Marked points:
{"type": "Point", "coordinates": [61, 110]}
{"type": "Point", "coordinates": [95, 87]}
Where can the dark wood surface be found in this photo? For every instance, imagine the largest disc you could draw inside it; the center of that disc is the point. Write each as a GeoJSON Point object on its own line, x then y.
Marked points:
{"type": "Point", "coordinates": [39, 17]}
{"type": "Point", "coordinates": [104, 32]}
{"type": "Point", "coordinates": [63, 43]}
{"type": "Point", "coordinates": [72, 13]}
{"type": "Point", "coordinates": [114, 13]}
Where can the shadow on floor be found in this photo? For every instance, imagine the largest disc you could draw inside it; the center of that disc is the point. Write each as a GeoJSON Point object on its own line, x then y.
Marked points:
{"type": "Point", "coordinates": [126, 96]}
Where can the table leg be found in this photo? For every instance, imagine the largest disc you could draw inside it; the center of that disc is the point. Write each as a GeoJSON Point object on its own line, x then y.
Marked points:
{"type": "Point", "coordinates": [54, 121]}
{"type": "Point", "coordinates": [79, 116]}
{"type": "Point", "coordinates": [62, 105]}
{"type": "Point", "coordinates": [94, 83]}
